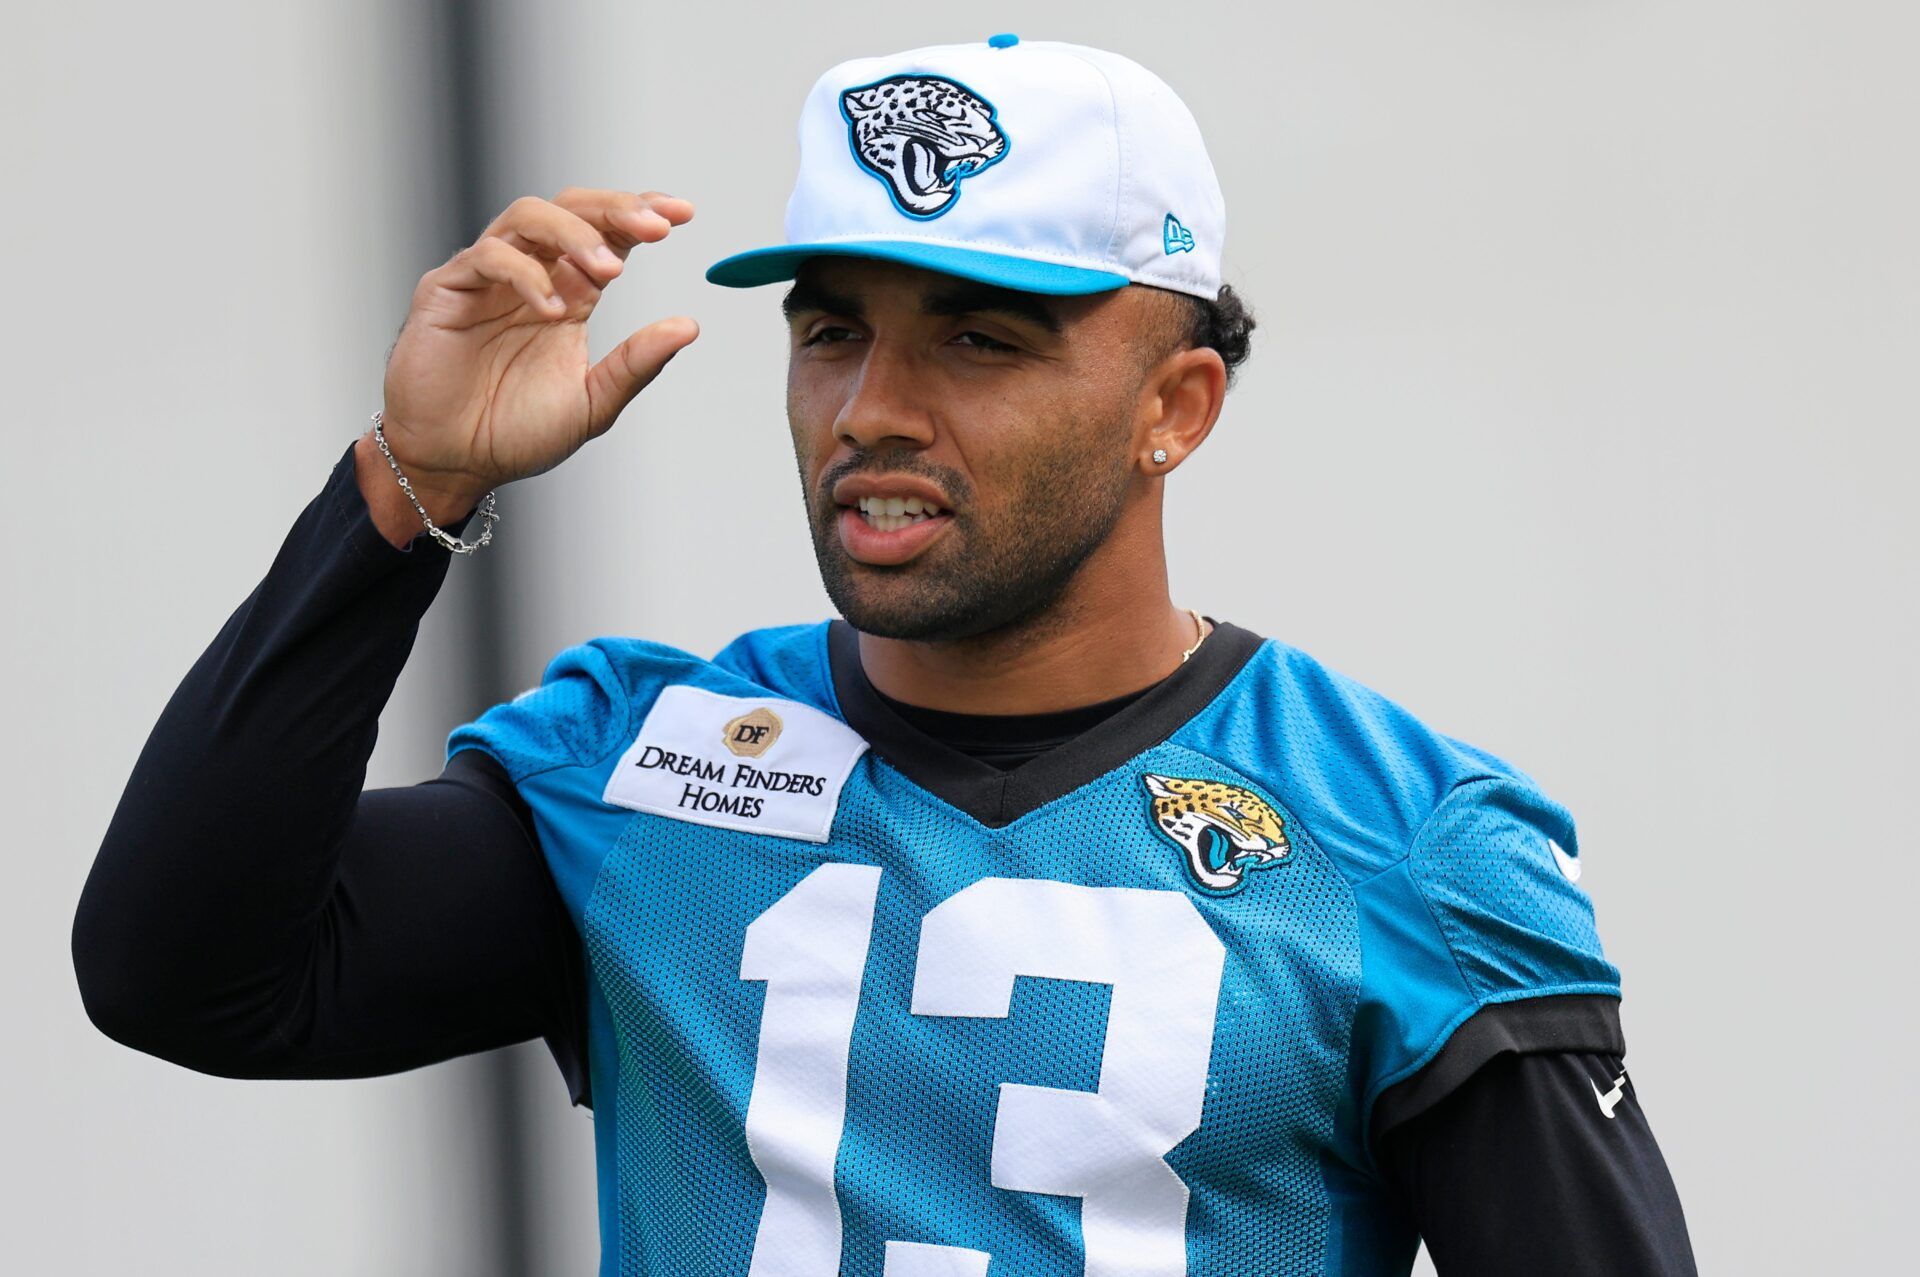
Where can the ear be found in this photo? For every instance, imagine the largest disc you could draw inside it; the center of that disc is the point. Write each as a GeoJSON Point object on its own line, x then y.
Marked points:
{"type": "Point", "coordinates": [1179, 403]}
{"type": "Point", "coordinates": [860, 105]}
{"type": "Point", "coordinates": [1157, 786]}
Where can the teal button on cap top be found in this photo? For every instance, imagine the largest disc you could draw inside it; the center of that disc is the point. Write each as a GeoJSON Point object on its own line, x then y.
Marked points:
{"type": "Point", "coordinates": [1005, 40]}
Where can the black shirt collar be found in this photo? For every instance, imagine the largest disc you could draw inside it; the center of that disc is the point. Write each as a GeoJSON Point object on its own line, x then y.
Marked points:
{"type": "Point", "coordinates": [1008, 740]}
{"type": "Point", "coordinates": [996, 798]}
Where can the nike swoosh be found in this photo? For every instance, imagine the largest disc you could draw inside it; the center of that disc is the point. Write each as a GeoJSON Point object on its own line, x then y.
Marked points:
{"type": "Point", "coordinates": [1609, 1100]}
{"type": "Point", "coordinates": [1569, 865]}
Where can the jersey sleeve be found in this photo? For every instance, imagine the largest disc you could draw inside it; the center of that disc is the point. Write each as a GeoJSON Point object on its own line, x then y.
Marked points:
{"type": "Point", "coordinates": [575, 716]}
{"type": "Point", "coordinates": [1482, 916]}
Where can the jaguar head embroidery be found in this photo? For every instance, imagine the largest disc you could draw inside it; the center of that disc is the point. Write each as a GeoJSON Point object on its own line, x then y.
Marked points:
{"type": "Point", "coordinates": [1224, 830]}
{"type": "Point", "coordinates": [921, 135]}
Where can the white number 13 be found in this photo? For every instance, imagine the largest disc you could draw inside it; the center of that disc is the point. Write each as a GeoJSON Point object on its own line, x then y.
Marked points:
{"type": "Point", "coordinates": [1107, 1147]}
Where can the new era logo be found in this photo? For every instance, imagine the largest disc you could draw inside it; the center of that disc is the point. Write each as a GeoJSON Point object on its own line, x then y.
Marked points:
{"type": "Point", "coordinates": [1175, 237]}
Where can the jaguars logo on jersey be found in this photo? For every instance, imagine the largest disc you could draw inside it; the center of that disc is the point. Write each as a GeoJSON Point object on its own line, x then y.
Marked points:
{"type": "Point", "coordinates": [1224, 830]}
{"type": "Point", "coordinates": [921, 135]}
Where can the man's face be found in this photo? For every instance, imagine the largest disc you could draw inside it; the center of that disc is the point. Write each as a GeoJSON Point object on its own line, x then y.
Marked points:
{"type": "Point", "coordinates": [963, 448]}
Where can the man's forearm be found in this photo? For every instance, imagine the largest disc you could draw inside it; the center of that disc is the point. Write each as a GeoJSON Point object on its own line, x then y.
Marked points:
{"type": "Point", "coordinates": [233, 818]}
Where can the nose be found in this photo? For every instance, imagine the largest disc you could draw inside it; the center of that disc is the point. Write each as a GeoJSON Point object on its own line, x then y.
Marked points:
{"type": "Point", "coordinates": [887, 406]}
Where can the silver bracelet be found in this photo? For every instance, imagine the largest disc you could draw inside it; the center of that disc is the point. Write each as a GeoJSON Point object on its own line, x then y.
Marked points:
{"type": "Point", "coordinates": [455, 544]}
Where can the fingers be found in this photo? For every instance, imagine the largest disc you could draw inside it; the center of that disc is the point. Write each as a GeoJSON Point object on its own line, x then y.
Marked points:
{"type": "Point", "coordinates": [544, 229]}
{"type": "Point", "coordinates": [631, 366]}
{"type": "Point", "coordinates": [491, 260]}
{"type": "Point", "coordinates": [585, 233]}
{"type": "Point", "coordinates": [594, 229]}
{"type": "Point", "coordinates": [624, 217]}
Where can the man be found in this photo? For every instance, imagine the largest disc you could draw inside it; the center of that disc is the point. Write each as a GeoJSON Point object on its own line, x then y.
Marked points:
{"type": "Point", "coordinates": [1304, 980]}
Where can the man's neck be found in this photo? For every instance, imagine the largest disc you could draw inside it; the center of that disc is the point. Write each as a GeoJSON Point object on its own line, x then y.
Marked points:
{"type": "Point", "coordinates": [1112, 631]}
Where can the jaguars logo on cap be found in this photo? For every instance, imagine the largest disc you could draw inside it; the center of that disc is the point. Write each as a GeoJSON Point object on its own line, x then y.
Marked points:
{"type": "Point", "coordinates": [921, 135]}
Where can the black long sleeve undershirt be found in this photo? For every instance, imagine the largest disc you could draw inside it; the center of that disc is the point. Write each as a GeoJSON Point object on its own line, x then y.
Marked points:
{"type": "Point", "coordinates": [1521, 1170]}
{"type": "Point", "coordinates": [253, 912]}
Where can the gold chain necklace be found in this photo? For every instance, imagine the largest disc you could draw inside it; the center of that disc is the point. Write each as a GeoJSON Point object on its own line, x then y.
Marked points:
{"type": "Point", "coordinates": [1200, 626]}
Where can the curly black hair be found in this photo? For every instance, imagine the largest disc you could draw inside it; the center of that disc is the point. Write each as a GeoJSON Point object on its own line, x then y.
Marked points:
{"type": "Point", "coordinates": [1224, 324]}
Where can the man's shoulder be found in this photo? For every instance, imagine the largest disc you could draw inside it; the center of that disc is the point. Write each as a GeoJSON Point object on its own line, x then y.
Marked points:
{"type": "Point", "coordinates": [1346, 758]}
{"type": "Point", "coordinates": [779, 660]}
{"type": "Point", "coordinates": [1460, 872]}
{"type": "Point", "coordinates": [789, 660]}
{"type": "Point", "coordinates": [592, 696]}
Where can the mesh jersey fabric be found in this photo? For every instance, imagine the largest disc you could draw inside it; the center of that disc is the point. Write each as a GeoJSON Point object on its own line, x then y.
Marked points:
{"type": "Point", "coordinates": [1173, 1079]}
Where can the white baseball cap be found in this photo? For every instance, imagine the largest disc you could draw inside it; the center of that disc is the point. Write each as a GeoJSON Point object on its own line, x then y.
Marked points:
{"type": "Point", "coordinates": [1031, 164]}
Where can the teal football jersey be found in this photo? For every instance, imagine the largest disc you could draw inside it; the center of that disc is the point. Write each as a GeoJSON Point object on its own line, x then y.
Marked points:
{"type": "Point", "coordinates": [861, 1004]}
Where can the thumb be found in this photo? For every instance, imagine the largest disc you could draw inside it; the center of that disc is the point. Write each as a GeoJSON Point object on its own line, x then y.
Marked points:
{"type": "Point", "coordinates": [629, 367]}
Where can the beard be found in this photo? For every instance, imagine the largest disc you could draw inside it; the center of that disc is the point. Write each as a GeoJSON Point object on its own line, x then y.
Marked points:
{"type": "Point", "coordinates": [986, 572]}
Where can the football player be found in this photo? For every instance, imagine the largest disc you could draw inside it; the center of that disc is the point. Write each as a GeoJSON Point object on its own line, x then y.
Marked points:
{"type": "Point", "coordinates": [1019, 921]}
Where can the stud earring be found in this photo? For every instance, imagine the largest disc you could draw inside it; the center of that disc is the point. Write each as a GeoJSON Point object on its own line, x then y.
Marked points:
{"type": "Point", "coordinates": [1159, 456]}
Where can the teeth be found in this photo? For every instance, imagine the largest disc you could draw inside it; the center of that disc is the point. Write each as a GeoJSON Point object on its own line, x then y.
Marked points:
{"type": "Point", "coordinates": [890, 514]}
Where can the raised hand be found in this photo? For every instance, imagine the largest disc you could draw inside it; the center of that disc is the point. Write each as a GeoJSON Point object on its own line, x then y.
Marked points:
{"type": "Point", "coordinates": [489, 381]}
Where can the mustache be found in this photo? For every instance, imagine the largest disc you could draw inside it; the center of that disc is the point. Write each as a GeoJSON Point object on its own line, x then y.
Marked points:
{"type": "Point", "coordinates": [950, 481]}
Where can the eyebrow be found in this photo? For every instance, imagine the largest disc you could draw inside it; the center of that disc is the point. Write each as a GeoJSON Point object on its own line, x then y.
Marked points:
{"type": "Point", "coordinates": [966, 298]}
{"type": "Point", "coordinates": [976, 299]}
{"type": "Point", "coordinates": [805, 296]}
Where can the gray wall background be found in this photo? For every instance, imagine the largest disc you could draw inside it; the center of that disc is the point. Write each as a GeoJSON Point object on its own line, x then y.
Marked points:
{"type": "Point", "coordinates": [1581, 421]}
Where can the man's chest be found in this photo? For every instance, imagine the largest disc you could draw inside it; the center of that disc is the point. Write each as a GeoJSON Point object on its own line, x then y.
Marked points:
{"type": "Point", "coordinates": [1044, 1040]}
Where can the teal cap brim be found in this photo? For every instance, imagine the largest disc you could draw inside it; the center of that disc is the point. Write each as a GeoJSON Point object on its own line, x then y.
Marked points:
{"type": "Point", "coordinates": [771, 265]}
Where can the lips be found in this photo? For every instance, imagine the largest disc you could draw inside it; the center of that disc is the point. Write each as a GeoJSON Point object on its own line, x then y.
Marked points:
{"type": "Point", "coordinates": [887, 547]}
{"type": "Point", "coordinates": [888, 519]}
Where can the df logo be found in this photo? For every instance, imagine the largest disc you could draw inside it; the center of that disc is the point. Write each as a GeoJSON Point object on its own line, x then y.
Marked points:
{"type": "Point", "coordinates": [753, 733]}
